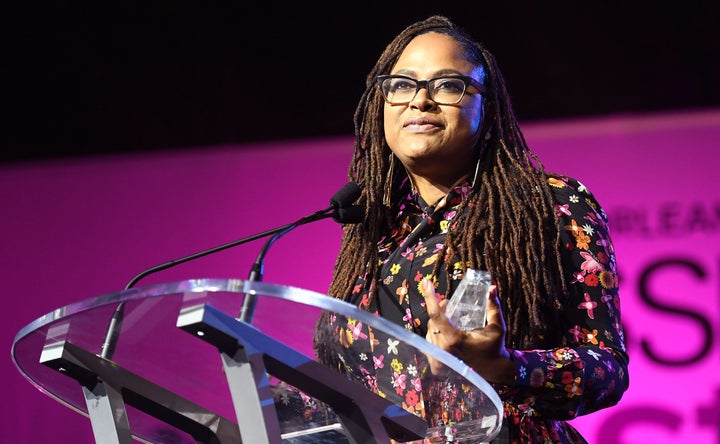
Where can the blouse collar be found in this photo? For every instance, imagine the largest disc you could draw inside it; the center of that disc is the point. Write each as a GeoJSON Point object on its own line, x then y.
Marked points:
{"type": "Point", "coordinates": [415, 203]}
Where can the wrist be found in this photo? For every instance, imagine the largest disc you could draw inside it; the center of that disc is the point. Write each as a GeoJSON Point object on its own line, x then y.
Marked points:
{"type": "Point", "coordinates": [507, 374]}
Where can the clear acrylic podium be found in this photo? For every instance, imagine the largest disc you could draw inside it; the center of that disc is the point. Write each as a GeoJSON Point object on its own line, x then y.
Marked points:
{"type": "Point", "coordinates": [187, 370]}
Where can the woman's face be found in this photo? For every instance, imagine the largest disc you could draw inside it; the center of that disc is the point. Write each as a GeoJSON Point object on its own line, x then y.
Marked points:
{"type": "Point", "coordinates": [431, 140]}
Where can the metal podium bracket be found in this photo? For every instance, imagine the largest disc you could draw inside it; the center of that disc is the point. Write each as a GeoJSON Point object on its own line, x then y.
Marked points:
{"type": "Point", "coordinates": [108, 417]}
{"type": "Point", "coordinates": [108, 387]}
{"type": "Point", "coordinates": [365, 416]}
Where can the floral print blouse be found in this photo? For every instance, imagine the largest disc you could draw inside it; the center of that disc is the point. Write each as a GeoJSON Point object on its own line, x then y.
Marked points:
{"type": "Point", "coordinates": [585, 373]}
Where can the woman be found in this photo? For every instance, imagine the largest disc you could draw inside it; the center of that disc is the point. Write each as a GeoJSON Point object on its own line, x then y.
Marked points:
{"type": "Point", "coordinates": [449, 183]}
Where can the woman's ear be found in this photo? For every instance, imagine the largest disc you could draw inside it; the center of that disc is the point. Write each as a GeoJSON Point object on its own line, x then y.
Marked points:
{"type": "Point", "coordinates": [487, 120]}
{"type": "Point", "coordinates": [487, 127]}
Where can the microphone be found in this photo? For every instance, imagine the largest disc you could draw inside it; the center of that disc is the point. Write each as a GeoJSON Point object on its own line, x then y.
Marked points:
{"type": "Point", "coordinates": [341, 209]}
{"type": "Point", "coordinates": [343, 212]}
{"type": "Point", "coordinates": [339, 212]}
{"type": "Point", "coordinates": [351, 215]}
{"type": "Point", "coordinates": [346, 195]}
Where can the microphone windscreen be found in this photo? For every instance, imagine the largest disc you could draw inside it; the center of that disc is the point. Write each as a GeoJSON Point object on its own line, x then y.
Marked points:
{"type": "Point", "coordinates": [349, 215]}
{"type": "Point", "coordinates": [348, 194]}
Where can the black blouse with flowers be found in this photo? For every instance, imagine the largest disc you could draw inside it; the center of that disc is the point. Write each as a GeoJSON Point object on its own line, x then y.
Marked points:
{"type": "Point", "coordinates": [584, 373]}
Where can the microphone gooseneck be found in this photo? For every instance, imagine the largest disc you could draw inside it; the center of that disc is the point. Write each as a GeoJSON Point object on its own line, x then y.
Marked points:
{"type": "Point", "coordinates": [340, 209]}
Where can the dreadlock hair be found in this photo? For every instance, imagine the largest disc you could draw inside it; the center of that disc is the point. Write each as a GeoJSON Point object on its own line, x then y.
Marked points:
{"type": "Point", "coordinates": [507, 226]}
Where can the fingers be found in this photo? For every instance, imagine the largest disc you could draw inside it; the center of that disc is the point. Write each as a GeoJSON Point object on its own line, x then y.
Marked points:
{"type": "Point", "coordinates": [435, 309]}
{"type": "Point", "coordinates": [437, 328]}
{"type": "Point", "coordinates": [494, 314]}
{"type": "Point", "coordinates": [431, 302]}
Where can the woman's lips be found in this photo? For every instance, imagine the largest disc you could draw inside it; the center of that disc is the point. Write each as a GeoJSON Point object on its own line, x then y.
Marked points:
{"type": "Point", "coordinates": [421, 124]}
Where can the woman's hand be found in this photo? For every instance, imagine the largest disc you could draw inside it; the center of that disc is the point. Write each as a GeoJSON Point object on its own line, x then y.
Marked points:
{"type": "Point", "coordinates": [483, 349]}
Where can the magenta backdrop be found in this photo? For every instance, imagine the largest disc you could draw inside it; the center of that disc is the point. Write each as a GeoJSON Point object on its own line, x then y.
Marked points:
{"type": "Point", "coordinates": [76, 229]}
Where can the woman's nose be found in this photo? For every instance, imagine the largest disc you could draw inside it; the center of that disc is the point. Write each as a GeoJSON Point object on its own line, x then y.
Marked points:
{"type": "Point", "coordinates": [422, 99]}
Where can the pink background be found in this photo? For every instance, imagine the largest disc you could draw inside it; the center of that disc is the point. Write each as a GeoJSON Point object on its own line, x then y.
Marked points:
{"type": "Point", "coordinates": [75, 229]}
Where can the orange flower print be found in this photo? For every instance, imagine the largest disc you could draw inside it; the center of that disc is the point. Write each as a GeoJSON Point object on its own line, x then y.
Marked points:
{"type": "Point", "coordinates": [405, 227]}
{"type": "Point", "coordinates": [573, 228]}
{"type": "Point", "coordinates": [582, 241]}
{"type": "Point", "coordinates": [553, 182]}
{"type": "Point", "coordinates": [402, 291]}
{"type": "Point", "coordinates": [574, 389]}
{"type": "Point", "coordinates": [590, 336]}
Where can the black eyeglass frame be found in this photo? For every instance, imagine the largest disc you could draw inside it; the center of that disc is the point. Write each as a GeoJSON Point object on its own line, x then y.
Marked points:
{"type": "Point", "coordinates": [467, 80]}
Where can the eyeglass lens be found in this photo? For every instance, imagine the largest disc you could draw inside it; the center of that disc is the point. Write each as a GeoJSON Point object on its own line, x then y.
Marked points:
{"type": "Point", "coordinates": [444, 90]}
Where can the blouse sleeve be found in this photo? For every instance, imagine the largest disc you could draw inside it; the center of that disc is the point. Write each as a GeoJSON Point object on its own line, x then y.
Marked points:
{"type": "Point", "coordinates": [589, 371]}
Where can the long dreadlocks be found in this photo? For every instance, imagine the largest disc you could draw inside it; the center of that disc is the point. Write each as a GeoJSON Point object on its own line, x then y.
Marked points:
{"type": "Point", "coordinates": [508, 225]}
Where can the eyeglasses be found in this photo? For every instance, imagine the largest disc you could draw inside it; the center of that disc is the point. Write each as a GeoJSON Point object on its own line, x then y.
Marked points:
{"type": "Point", "coordinates": [450, 90]}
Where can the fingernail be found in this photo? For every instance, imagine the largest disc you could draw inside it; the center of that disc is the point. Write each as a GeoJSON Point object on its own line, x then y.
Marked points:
{"type": "Point", "coordinates": [425, 282]}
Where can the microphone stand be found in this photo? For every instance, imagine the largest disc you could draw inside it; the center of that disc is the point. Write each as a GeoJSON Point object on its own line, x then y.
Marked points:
{"type": "Point", "coordinates": [256, 272]}
{"type": "Point", "coordinates": [108, 347]}
{"type": "Point", "coordinates": [256, 275]}
{"type": "Point", "coordinates": [337, 210]}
